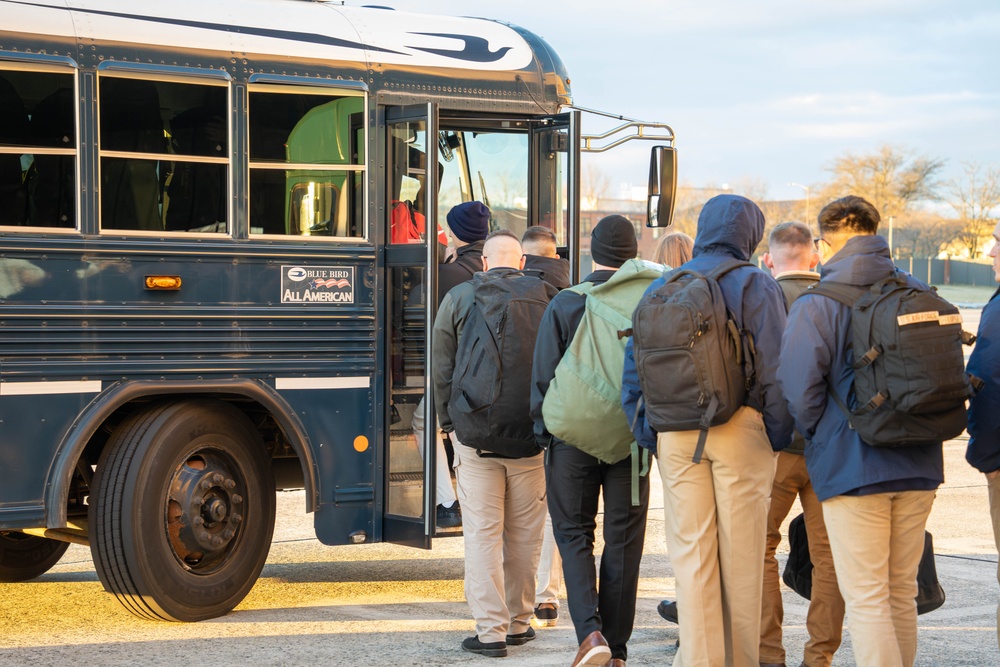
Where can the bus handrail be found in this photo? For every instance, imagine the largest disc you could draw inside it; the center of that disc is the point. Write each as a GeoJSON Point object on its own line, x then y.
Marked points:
{"type": "Point", "coordinates": [644, 131]}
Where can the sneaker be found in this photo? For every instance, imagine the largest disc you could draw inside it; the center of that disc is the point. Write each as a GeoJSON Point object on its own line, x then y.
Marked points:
{"type": "Point", "coordinates": [521, 638]}
{"type": "Point", "coordinates": [546, 614]}
{"type": "Point", "coordinates": [449, 517]}
{"type": "Point", "coordinates": [490, 650]}
{"type": "Point", "coordinates": [667, 610]}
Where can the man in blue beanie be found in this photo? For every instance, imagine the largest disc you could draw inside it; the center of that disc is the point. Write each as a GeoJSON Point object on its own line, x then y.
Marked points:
{"type": "Point", "coordinates": [470, 225]}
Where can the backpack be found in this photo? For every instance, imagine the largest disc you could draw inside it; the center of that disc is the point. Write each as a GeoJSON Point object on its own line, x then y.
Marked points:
{"type": "Point", "coordinates": [910, 384]}
{"type": "Point", "coordinates": [490, 397]}
{"type": "Point", "coordinates": [583, 404]}
{"type": "Point", "coordinates": [695, 364]}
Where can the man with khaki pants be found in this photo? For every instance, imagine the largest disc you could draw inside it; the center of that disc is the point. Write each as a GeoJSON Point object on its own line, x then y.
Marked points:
{"type": "Point", "coordinates": [501, 489]}
{"type": "Point", "coordinates": [791, 258]}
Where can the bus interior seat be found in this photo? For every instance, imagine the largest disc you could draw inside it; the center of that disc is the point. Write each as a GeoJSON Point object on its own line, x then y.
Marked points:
{"type": "Point", "coordinates": [15, 129]}
{"type": "Point", "coordinates": [131, 121]}
{"type": "Point", "coordinates": [196, 192]}
{"type": "Point", "coordinates": [52, 186]}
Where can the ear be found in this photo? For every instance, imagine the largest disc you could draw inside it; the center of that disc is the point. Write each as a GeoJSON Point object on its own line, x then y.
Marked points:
{"type": "Point", "coordinates": [520, 266]}
{"type": "Point", "coordinates": [813, 260]}
{"type": "Point", "coordinates": [486, 265]}
{"type": "Point", "coordinates": [768, 262]}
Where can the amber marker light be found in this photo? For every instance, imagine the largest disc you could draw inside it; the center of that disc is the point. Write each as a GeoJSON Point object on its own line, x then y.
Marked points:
{"type": "Point", "coordinates": [163, 282]}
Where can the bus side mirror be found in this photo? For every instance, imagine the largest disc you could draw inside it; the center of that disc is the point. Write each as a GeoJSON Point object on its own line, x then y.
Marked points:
{"type": "Point", "coordinates": [662, 186]}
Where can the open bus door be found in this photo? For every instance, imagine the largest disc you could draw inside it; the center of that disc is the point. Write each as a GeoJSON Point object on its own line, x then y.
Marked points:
{"type": "Point", "coordinates": [555, 182]}
{"type": "Point", "coordinates": [410, 205]}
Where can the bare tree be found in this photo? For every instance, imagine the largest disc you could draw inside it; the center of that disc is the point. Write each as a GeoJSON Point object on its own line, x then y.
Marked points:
{"type": "Point", "coordinates": [921, 234]}
{"type": "Point", "coordinates": [594, 188]}
{"type": "Point", "coordinates": [893, 179]}
{"type": "Point", "coordinates": [976, 198]}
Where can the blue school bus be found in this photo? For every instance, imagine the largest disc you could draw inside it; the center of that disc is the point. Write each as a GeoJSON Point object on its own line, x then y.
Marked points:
{"type": "Point", "coordinates": [200, 299]}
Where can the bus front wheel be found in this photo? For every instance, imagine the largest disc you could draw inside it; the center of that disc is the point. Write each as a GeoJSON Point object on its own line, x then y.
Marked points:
{"type": "Point", "coordinates": [24, 557]}
{"type": "Point", "coordinates": [182, 510]}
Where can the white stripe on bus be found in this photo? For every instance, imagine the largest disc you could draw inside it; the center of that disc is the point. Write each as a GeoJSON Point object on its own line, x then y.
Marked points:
{"type": "Point", "coordinates": [322, 383]}
{"type": "Point", "coordinates": [41, 388]}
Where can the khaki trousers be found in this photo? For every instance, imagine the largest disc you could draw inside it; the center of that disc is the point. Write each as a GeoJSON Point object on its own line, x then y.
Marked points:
{"type": "Point", "coordinates": [879, 540]}
{"type": "Point", "coordinates": [716, 516]}
{"type": "Point", "coordinates": [825, 619]}
{"type": "Point", "coordinates": [503, 514]}
{"type": "Point", "coordinates": [549, 581]}
{"type": "Point", "coordinates": [994, 489]}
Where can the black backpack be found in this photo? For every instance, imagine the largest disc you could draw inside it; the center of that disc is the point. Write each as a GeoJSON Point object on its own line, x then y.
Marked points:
{"type": "Point", "coordinates": [695, 363]}
{"type": "Point", "coordinates": [910, 384]}
{"type": "Point", "coordinates": [491, 389]}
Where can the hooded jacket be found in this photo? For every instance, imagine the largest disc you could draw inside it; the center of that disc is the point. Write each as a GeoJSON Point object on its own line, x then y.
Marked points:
{"type": "Point", "coordinates": [468, 260]}
{"type": "Point", "coordinates": [817, 345]}
{"type": "Point", "coordinates": [983, 453]}
{"type": "Point", "coordinates": [731, 227]}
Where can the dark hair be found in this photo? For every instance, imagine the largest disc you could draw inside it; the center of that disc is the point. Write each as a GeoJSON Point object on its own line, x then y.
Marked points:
{"type": "Point", "coordinates": [849, 214]}
{"type": "Point", "coordinates": [503, 232]}
{"type": "Point", "coordinates": [539, 234]}
{"type": "Point", "coordinates": [788, 234]}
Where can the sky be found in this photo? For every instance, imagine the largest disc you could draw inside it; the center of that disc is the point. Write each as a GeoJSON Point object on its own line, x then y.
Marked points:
{"type": "Point", "coordinates": [769, 92]}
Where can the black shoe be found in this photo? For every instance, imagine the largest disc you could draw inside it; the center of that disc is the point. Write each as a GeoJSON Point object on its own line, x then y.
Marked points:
{"type": "Point", "coordinates": [668, 610]}
{"type": "Point", "coordinates": [449, 517]}
{"type": "Point", "coordinates": [546, 614]}
{"type": "Point", "coordinates": [490, 650]}
{"type": "Point", "coordinates": [522, 638]}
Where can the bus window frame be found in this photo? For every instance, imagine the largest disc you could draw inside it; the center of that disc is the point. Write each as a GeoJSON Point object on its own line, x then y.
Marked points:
{"type": "Point", "coordinates": [185, 76]}
{"type": "Point", "coordinates": [294, 85]}
{"type": "Point", "coordinates": [24, 63]}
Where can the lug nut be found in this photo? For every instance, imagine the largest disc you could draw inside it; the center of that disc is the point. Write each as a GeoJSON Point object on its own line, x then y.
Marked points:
{"type": "Point", "coordinates": [230, 484]}
{"type": "Point", "coordinates": [205, 484]}
{"type": "Point", "coordinates": [204, 537]}
{"type": "Point", "coordinates": [198, 521]}
{"type": "Point", "coordinates": [216, 541]}
{"type": "Point", "coordinates": [236, 518]}
{"type": "Point", "coordinates": [228, 534]}
{"type": "Point", "coordinates": [218, 479]}
{"type": "Point", "coordinates": [237, 498]}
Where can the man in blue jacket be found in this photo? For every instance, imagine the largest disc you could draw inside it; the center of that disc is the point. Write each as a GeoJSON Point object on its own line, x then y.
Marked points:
{"type": "Point", "coordinates": [984, 409]}
{"type": "Point", "coordinates": [875, 499]}
{"type": "Point", "coordinates": [716, 510]}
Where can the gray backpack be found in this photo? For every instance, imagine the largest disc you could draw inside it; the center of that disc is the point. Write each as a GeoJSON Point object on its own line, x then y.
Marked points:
{"type": "Point", "coordinates": [695, 363]}
{"type": "Point", "coordinates": [910, 384]}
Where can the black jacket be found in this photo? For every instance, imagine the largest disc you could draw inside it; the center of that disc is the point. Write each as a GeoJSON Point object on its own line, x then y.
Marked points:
{"type": "Point", "coordinates": [468, 261]}
{"type": "Point", "coordinates": [553, 270]}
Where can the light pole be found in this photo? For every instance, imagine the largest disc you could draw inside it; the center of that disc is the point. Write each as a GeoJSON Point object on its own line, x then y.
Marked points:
{"type": "Point", "coordinates": [806, 188]}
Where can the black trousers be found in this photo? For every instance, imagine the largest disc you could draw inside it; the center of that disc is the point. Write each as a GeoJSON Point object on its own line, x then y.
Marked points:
{"type": "Point", "coordinates": [574, 481]}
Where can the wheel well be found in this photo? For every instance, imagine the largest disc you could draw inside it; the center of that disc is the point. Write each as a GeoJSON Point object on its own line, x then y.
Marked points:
{"type": "Point", "coordinates": [285, 439]}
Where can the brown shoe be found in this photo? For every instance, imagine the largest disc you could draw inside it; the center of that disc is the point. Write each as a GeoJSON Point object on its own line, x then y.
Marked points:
{"type": "Point", "coordinates": [594, 650]}
{"type": "Point", "coordinates": [615, 662]}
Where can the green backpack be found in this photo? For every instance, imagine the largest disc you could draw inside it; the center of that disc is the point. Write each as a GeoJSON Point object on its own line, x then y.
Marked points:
{"type": "Point", "coordinates": [583, 404]}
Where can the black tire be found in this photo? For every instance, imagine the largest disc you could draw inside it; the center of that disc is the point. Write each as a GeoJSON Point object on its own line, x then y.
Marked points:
{"type": "Point", "coordinates": [182, 511]}
{"type": "Point", "coordinates": [24, 557]}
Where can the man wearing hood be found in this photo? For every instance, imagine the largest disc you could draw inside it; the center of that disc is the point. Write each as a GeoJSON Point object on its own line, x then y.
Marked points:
{"type": "Point", "coordinates": [875, 499]}
{"type": "Point", "coordinates": [716, 510]}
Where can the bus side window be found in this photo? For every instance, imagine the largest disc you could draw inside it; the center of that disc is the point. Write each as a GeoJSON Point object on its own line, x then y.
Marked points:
{"type": "Point", "coordinates": [14, 130]}
{"type": "Point", "coordinates": [164, 149]}
{"type": "Point", "coordinates": [307, 162]}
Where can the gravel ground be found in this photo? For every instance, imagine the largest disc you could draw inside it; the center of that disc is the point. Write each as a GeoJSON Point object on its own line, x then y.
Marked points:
{"type": "Point", "coordinates": [389, 605]}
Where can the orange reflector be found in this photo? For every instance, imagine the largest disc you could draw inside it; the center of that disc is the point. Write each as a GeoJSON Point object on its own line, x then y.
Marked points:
{"type": "Point", "coordinates": [163, 282]}
{"type": "Point", "coordinates": [360, 443]}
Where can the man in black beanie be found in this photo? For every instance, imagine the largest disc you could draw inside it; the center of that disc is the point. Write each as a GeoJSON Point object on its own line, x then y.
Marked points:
{"type": "Point", "coordinates": [575, 479]}
{"type": "Point", "coordinates": [470, 225]}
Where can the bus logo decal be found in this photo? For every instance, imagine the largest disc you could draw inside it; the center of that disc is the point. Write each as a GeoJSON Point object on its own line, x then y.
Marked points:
{"type": "Point", "coordinates": [317, 284]}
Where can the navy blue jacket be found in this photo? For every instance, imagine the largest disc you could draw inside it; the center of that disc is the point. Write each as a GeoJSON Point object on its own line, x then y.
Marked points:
{"type": "Point", "coordinates": [984, 409]}
{"type": "Point", "coordinates": [731, 227]}
{"type": "Point", "coordinates": [818, 345]}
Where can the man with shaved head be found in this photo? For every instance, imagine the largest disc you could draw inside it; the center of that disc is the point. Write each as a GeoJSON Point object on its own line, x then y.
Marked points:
{"type": "Point", "coordinates": [484, 338]}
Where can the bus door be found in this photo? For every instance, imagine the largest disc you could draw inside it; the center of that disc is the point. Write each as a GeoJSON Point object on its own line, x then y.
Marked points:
{"type": "Point", "coordinates": [410, 200]}
{"type": "Point", "coordinates": [555, 182]}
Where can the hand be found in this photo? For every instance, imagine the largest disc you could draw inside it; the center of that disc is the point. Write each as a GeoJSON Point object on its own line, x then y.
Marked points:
{"type": "Point", "coordinates": [990, 476]}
